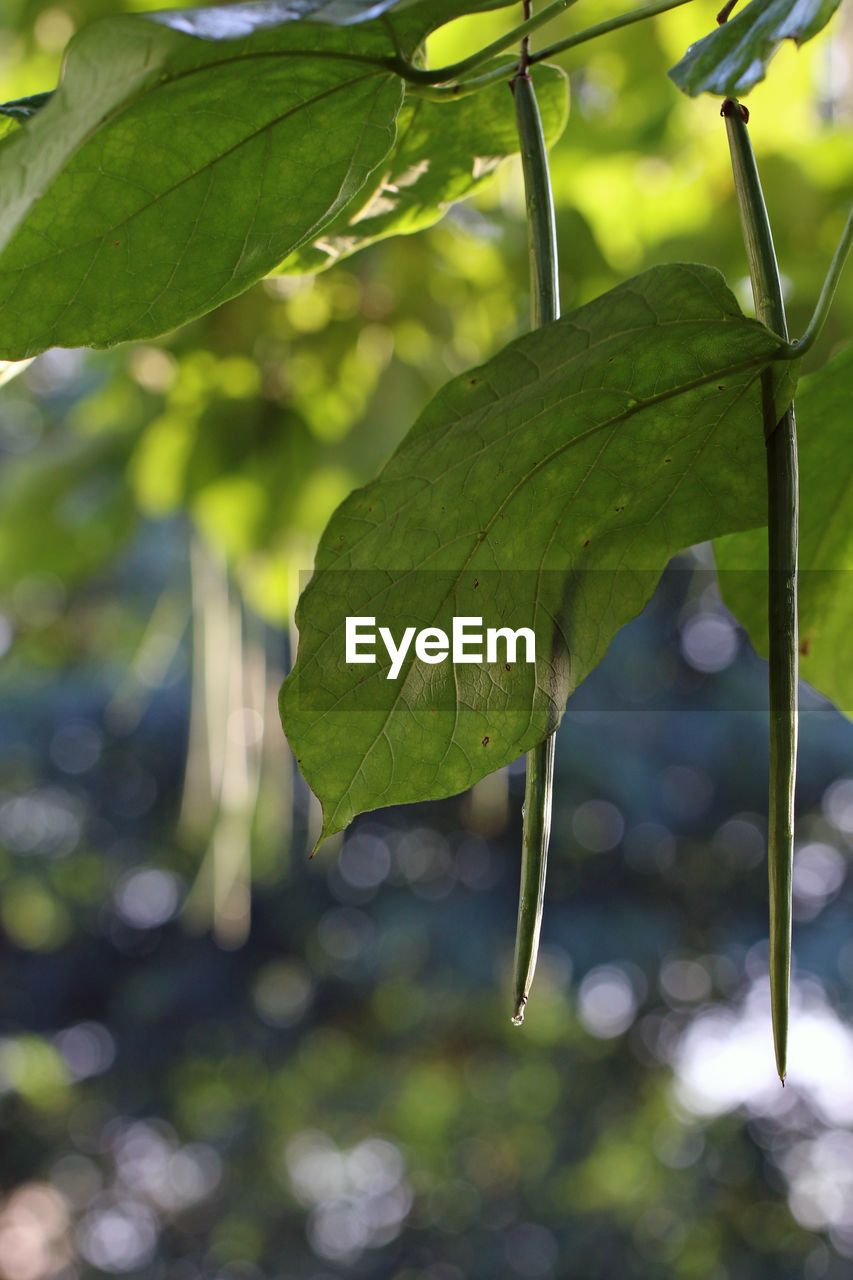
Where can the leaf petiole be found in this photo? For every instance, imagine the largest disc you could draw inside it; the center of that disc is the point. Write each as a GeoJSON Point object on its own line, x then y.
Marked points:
{"type": "Point", "coordinates": [502, 70]}
{"type": "Point", "coordinates": [605, 27]}
{"type": "Point", "coordinates": [422, 75]}
{"type": "Point", "coordinates": [726, 12]}
{"type": "Point", "coordinates": [441, 76]}
{"type": "Point", "coordinates": [827, 293]}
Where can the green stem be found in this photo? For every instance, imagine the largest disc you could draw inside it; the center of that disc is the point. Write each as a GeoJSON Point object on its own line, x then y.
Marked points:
{"type": "Point", "coordinates": [782, 521]}
{"type": "Point", "coordinates": [603, 28]}
{"type": "Point", "coordinates": [422, 75]}
{"type": "Point", "coordinates": [545, 307]}
{"type": "Point", "coordinates": [501, 71]}
{"type": "Point", "coordinates": [827, 293]}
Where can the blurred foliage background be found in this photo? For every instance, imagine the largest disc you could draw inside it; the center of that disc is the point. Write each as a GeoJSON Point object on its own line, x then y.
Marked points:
{"type": "Point", "coordinates": [218, 1059]}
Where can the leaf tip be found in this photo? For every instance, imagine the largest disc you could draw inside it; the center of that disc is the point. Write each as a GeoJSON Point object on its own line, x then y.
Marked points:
{"type": "Point", "coordinates": [325, 832]}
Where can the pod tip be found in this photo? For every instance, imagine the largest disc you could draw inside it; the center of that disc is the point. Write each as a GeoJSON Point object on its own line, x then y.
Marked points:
{"type": "Point", "coordinates": [518, 1016]}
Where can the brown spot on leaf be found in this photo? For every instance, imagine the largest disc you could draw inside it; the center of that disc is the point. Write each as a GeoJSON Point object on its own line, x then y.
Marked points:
{"type": "Point", "coordinates": [485, 742]}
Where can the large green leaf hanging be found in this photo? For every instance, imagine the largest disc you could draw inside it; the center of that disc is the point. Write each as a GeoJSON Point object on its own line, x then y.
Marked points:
{"type": "Point", "coordinates": [546, 489]}
{"type": "Point", "coordinates": [185, 154]}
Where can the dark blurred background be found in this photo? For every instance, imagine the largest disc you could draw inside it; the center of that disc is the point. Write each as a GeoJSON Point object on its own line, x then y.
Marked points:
{"type": "Point", "coordinates": [218, 1059]}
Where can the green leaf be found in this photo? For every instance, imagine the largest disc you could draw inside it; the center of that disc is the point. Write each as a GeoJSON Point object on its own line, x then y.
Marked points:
{"type": "Point", "coordinates": [185, 154]}
{"type": "Point", "coordinates": [734, 57]}
{"type": "Point", "coordinates": [546, 489]}
{"type": "Point", "coordinates": [168, 173]}
{"type": "Point", "coordinates": [445, 152]}
{"type": "Point", "coordinates": [826, 540]}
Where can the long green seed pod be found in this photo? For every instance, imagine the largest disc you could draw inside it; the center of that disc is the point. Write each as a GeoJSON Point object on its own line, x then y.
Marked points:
{"type": "Point", "coordinates": [545, 307]}
{"type": "Point", "coordinates": [782, 521]}
{"type": "Point", "coordinates": [538, 790]}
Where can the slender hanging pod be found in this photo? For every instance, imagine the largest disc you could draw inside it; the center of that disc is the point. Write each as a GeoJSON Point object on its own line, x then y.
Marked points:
{"type": "Point", "coordinates": [536, 834]}
{"type": "Point", "coordinates": [782, 522]}
{"type": "Point", "coordinates": [544, 307]}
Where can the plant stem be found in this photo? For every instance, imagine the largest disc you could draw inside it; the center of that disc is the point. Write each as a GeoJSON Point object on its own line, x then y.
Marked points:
{"type": "Point", "coordinates": [827, 293]}
{"type": "Point", "coordinates": [544, 307]}
{"type": "Point", "coordinates": [782, 520]}
{"type": "Point", "coordinates": [421, 75]}
{"type": "Point", "coordinates": [501, 71]}
{"type": "Point", "coordinates": [603, 28]}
